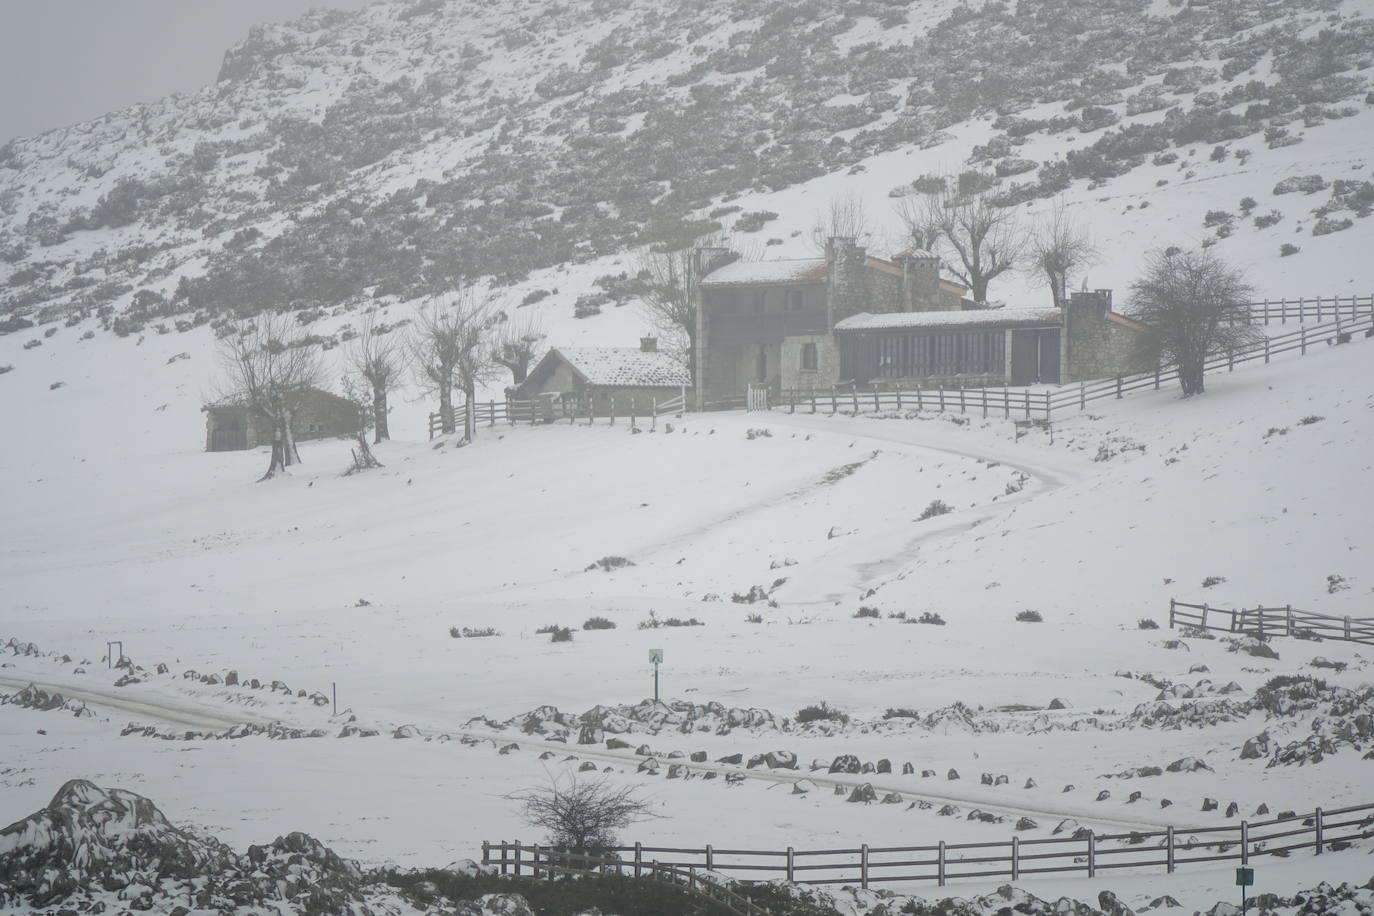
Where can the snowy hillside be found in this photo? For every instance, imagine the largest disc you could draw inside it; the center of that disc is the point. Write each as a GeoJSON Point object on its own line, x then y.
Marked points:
{"type": "Point", "coordinates": [384, 154]}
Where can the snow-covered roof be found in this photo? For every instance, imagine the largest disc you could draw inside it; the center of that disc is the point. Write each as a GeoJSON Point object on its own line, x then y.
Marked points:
{"type": "Point", "coordinates": [738, 273]}
{"type": "Point", "coordinates": [630, 366]}
{"type": "Point", "coordinates": [864, 321]}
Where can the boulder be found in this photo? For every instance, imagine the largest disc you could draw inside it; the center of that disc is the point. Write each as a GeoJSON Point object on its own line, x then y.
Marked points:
{"type": "Point", "coordinates": [927, 774]}
{"type": "Point", "coordinates": [1164, 803]}
{"type": "Point", "coordinates": [1134, 797]}
{"type": "Point", "coordinates": [504, 749]}
{"type": "Point", "coordinates": [803, 786]}
{"type": "Point", "coordinates": [231, 679]}
{"type": "Point", "coordinates": [845, 763]}
{"type": "Point", "coordinates": [644, 750]}
{"type": "Point", "coordinates": [698, 757]}
{"type": "Point", "coordinates": [677, 771]}
{"type": "Point", "coordinates": [650, 766]}
{"type": "Point", "coordinates": [1104, 795]}
{"type": "Point", "coordinates": [1030, 783]}
{"type": "Point", "coordinates": [731, 759]}
{"type": "Point", "coordinates": [1111, 905]}
{"type": "Point", "coordinates": [1209, 804]}
{"type": "Point", "coordinates": [1025, 823]}
{"type": "Point", "coordinates": [1067, 825]}
{"type": "Point", "coordinates": [948, 810]}
{"type": "Point", "coordinates": [1188, 765]}
{"type": "Point", "coordinates": [952, 775]}
{"type": "Point", "coordinates": [908, 769]}
{"type": "Point", "coordinates": [1256, 747]}
{"type": "Point", "coordinates": [1232, 809]}
{"type": "Point", "coordinates": [868, 768]}
{"type": "Point", "coordinates": [863, 793]}
{"type": "Point", "coordinates": [1059, 703]}
{"type": "Point", "coordinates": [754, 761]}
{"type": "Point", "coordinates": [1001, 781]}
{"type": "Point", "coordinates": [1068, 788]}
{"type": "Point", "coordinates": [892, 798]}
{"type": "Point", "coordinates": [884, 765]}
{"type": "Point", "coordinates": [780, 760]}
{"type": "Point", "coordinates": [986, 779]}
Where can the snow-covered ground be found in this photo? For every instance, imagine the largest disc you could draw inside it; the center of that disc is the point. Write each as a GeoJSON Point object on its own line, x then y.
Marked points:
{"type": "Point", "coordinates": [116, 526]}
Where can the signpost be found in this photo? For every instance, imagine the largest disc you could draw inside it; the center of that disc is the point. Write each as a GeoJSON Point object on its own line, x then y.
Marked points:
{"type": "Point", "coordinates": [1245, 877]}
{"type": "Point", "coordinates": [655, 659]}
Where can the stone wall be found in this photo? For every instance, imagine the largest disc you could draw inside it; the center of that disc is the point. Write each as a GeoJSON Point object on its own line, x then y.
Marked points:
{"type": "Point", "coordinates": [827, 371]}
{"type": "Point", "coordinates": [1095, 341]}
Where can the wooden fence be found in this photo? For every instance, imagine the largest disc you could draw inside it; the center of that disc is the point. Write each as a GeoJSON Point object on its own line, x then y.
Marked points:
{"type": "Point", "coordinates": [1084, 853]}
{"type": "Point", "coordinates": [1272, 621]}
{"type": "Point", "coordinates": [1300, 311]}
{"type": "Point", "coordinates": [555, 410]}
{"type": "Point", "coordinates": [1042, 405]}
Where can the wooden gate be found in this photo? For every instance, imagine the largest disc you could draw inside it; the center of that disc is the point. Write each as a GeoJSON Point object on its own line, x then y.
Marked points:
{"type": "Point", "coordinates": [1035, 357]}
{"type": "Point", "coordinates": [757, 398]}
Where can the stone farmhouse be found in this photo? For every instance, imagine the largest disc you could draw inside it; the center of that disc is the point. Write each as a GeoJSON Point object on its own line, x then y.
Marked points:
{"type": "Point", "coordinates": [611, 381]}
{"type": "Point", "coordinates": [851, 317]}
{"type": "Point", "coordinates": [233, 426]}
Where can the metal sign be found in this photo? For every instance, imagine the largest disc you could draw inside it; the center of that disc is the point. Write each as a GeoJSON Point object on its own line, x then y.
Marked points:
{"type": "Point", "coordinates": [1245, 877]}
{"type": "Point", "coordinates": [655, 656]}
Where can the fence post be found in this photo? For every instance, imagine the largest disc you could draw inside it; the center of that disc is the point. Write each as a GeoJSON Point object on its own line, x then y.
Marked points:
{"type": "Point", "coordinates": [1205, 609]}
{"type": "Point", "coordinates": [1006, 403]}
{"type": "Point", "coordinates": [834, 403]}
{"type": "Point", "coordinates": [653, 421]}
{"type": "Point", "coordinates": [1230, 359]}
{"type": "Point", "coordinates": [899, 395]}
{"type": "Point", "coordinates": [1244, 843]}
{"type": "Point", "coordinates": [613, 410]}
{"type": "Point", "coordinates": [1302, 312]}
{"type": "Point", "coordinates": [1266, 350]}
{"type": "Point", "coordinates": [1347, 626]}
{"type": "Point", "coordinates": [863, 865]}
{"type": "Point", "coordinates": [919, 405]}
{"type": "Point", "coordinates": [639, 858]}
{"type": "Point", "coordinates": [1092, 854]}
{"type": "Point", "coordinates": [790, 864]}
{"type": "Point", "coordinates": [876, 405]}
{"type": "Point", "coordinates": [1288, 620]}
{"type": "Point", "coordinates": [1025, 397]}
{"type": "Point", "coordinates": [1317, 829]}
{"type": "Point", "coordinates": [1302, 337]}
{"type": "Point", "coordinates": [710, 858]}
{"type": "Point", "coordinates": [940, 865]}
{"type": "Point", "coordinates": [1157, 369]}
{"type": "Point", "coordinates": [486, 853]}
{"type": "Point", "coordinates": [985, 402]}
{"type": "Point", "coordinates": [855, 393]}
{"type": "Point", "coordinates": [1016, 858]}
{"type": "Point", "coordinates": [517, 856]}
{"type": "Point", "coordinates": [1169, 850]}
{"type": "Point", "coordinates": [1172, 604]}
{"type": "Point", "coordinates": [1118, 387]}
{"type": "Point", "coordinates": [1082, 395]}
{"type": "Point", "coordinates": [534, 864]}
{"type": "Point", "coordinates": [942, 398]}
{"type": "Point", "coordinates": [791, 400]}
{"type": "Point", "coordinates": [491, 405]}
{"type": "Point", "coordinates": [961, 399]}
{"type": "Point", "coordinates": [813, 400]}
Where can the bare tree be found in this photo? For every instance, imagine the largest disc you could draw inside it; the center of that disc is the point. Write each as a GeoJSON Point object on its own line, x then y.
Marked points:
{"type": "Point", "coordinates": [582, 815]}
{"type": "Point", "coordinates": [378, 356]}
{"type": "Point", "coordinates": [1060, 248]}
{"type": "Point", "coordinates": [364, 403]}
{"type": "Point", "coordinates": [845, 217]}
{"type": "Point", "coordinates": [451, 348]}
{"type": "Point", "coordinates": [517, 342]}
{"type": "Point", "coordinates": [671, 299]}
{"type": "Point", "coordinates": [269, 375]}
{"type": "Point", "coordinates": [1193, 302]}
{"type": "Point", "coordinates": [978, 240]}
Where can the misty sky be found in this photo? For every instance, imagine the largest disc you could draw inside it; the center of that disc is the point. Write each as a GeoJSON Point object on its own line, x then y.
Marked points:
{"type": "Point", "coordinates": [64, 61]}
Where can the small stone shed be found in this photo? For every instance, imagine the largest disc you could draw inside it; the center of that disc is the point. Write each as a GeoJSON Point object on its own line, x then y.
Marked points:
{"type": "Point", "coordinates": [231, 425]}
{"type": "Point", "coordinates": [611, 381]}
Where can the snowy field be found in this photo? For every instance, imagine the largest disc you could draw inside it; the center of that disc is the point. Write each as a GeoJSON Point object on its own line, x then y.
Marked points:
{"type": "Point", "coordinates": [133, 533]}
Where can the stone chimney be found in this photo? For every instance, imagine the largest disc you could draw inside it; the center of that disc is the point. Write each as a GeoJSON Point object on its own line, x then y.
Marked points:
{"type": "Point", "coordinates": [920, 280]}
{"type": "Point", "coordinates": [848, 290]}
{"type": "Point", "coordinates": [648, 344]}
{"type": "Point", "coordinates": [1096, 303]}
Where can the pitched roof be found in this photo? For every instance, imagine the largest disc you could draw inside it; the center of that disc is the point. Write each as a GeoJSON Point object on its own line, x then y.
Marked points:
{"type": "Point", "coordinates": [753, 273]}
{"type": "Point", "coordinates": [629, 366]}
{"type": "Point", "coordinates": [865, 321]}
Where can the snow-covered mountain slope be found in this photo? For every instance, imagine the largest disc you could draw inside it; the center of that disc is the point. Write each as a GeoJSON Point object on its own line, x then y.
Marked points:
{"type": "Point", "coordinates": [388, 152]}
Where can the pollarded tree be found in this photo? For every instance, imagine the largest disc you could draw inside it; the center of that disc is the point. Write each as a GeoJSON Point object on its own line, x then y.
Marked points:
{"type": "Point", "coordinates": [978, 240]}
{"type": "Point", "coordinates": [268, 371]}
{"type": "Point", "coordinates": [671, 300]}
{"type": "Point", "coordinates": [1194, 303]}
{"type": "Point", "coordinates": [516, 342]}
{"type": "Point", "coordinates": [451, 348]}
{"type": "Point", "coordinates": [378, 356]}
{"type": "Point", "coordinates": [846, 218]}
{"type": "Point", "coordinates": [1060, 248]}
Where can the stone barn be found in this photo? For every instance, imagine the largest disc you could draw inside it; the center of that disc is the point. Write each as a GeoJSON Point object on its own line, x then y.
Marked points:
{"type": "Point", "coordinates": [610, 381]}
{"type": "Point", "coordinates": [232, 426]}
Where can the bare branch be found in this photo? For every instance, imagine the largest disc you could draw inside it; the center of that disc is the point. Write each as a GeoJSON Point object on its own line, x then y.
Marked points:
{"type": "Point", "coordinates": [1060, 248]}
{"type": "Point", "coordinates": [582, 814]}
{"type": "Point", "coordinates": [978, 240]}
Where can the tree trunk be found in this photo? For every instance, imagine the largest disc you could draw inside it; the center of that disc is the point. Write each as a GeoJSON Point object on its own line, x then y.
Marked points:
{"type": "Point", "coordinates": [379, 414]}
{"type": "Point", "coordinates": [278, 459]}
{"type": "Point", "coordinates": [290, 454]}
{"type": "Point", "coordinates": [446, 424]}
{"type": "Point", "coordinates": [979, 288]}
{"type": "Point", "coordinates": [519, 371]}
{"type": "Point", "coordinates": [469, 412]}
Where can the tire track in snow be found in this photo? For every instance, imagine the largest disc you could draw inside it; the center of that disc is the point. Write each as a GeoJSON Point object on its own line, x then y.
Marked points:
{"type": "Point", "coordinates": [160, 709]}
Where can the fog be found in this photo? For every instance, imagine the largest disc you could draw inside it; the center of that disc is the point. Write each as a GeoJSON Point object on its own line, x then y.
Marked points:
{"type": "Point", "coordinates": [65, 61]}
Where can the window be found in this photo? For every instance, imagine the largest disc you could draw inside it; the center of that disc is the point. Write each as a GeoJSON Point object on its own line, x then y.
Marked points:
{"type": "Point", "coordinates": [809, 360]}
{"type": "Point", "coordinates": [794, 300]}
{"type": "Point", "coordinates": [757, 301]}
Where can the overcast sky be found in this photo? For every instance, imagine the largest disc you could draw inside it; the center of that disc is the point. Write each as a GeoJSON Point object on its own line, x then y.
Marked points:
{"type": "Point", "coordinates": [64, 61]}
